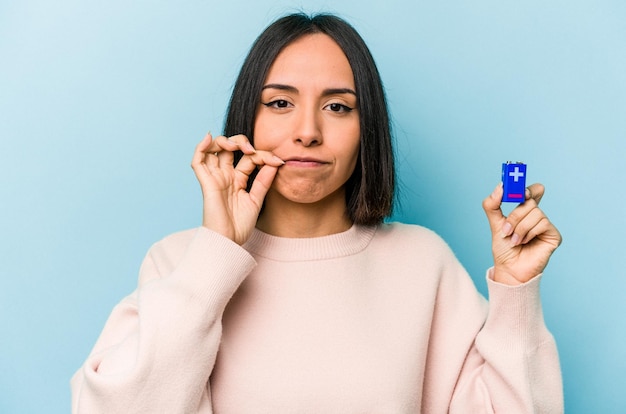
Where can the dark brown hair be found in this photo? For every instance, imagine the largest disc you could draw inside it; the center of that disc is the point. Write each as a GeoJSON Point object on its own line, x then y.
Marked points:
{"type": "Point", "coordinates": [370, 189]}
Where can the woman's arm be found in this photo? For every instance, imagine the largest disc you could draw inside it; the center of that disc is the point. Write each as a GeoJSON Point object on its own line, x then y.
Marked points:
{"type": "Point", "coordinates": [500, 358]}
{"type": "Point", "coordinates": [158, 347]}
{"type": "Point", "coordinates": [513, 365]}
{"type": "Point", "coordinates": [514, 358]}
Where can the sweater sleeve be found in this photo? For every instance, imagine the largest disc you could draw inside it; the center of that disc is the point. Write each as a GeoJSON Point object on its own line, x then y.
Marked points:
{"type": "Point", "coordinates": [513, 365]}
{"type": "Point", "coordinates": [158, 347]}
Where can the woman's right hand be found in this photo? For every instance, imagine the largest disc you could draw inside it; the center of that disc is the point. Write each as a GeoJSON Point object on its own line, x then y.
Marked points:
{"type": "Point", "coordinates": [228, 208]}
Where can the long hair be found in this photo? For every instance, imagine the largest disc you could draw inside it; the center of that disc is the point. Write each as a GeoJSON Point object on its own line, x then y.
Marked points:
{"type": "Point", "coordinates": [370, 189]}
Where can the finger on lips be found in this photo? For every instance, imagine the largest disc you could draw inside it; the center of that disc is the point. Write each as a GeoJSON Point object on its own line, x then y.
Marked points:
{"type": "Point", "coordinates": [217, 151]}
{"type": "Point", "coordinates": [248, 163]}
{"type": "Point", "coordinates": [213, 154]}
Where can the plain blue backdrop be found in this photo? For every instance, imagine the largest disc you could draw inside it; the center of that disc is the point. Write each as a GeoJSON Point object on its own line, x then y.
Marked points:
{"type": "Point", "coordinates": [102, 103]}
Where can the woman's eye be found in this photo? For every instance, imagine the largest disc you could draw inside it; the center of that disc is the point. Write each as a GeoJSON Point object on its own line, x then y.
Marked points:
{"type": "Point", "coordinates": [279, 103]}
{"type": "Point", "coordinates": [336, 107]}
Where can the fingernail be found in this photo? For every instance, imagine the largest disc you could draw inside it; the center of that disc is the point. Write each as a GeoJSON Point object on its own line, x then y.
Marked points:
{"type": "Point", "coordinates": [514, 240]}
{"type": "Point", "coordinates": [249, 147]}
{"type": "Point", "coordinates": [527, 194]}
{"type": "Point", "coordinates": [278, 159]}
{"type": "Point", "coordinates": [506, 229]}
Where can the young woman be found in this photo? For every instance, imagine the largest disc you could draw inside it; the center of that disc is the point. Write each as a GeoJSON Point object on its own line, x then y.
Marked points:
{"type": "Point", "coordinates": [294, 296]}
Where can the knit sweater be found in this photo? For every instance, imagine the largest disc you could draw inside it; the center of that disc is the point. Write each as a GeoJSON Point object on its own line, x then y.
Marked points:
{"type": "Point", "coordinates": [372, 320]}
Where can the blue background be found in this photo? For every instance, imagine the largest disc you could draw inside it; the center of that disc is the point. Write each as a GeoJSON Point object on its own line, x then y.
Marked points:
{"type": "Point", "coordinates": [102, 103]}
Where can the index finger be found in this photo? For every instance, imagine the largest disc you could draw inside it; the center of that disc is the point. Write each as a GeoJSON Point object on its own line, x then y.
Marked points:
{"type": "Point", "coordinates": [249, 163]}
{"type": "Point", "coordinates": [535, 191]}
{"type": "Point", "coordinates": [236, 142]}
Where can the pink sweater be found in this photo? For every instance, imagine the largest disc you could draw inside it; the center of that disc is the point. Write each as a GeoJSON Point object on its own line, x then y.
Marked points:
{"type": "Point", "coordinates": [372, 320]}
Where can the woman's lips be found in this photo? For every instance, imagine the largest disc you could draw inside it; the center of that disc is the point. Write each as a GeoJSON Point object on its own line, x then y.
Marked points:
{"type": "Point", "coordinates": [304, 162]}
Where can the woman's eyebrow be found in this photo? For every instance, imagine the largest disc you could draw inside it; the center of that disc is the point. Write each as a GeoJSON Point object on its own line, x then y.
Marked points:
{"type": "Point", "coordinates": [281, 87]}
{"type": "Point", "coordinates": [338, 91]}
{"type": "Point", "coordinates": [293, 89]}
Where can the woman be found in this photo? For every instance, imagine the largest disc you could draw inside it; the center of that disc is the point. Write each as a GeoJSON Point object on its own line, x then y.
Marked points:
{"type": "Point", "coordinates": [294, 297]}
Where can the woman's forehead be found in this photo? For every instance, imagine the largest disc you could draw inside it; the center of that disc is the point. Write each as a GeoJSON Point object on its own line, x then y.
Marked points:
{"type": "Point", "coordinates": [312, 58]}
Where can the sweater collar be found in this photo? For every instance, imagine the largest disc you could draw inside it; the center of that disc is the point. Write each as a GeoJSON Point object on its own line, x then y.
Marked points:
{"type": "Point", "coordinates": [285, 249]}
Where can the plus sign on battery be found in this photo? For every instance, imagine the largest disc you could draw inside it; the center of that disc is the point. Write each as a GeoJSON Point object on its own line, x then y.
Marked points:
{"type": "Point", "coordinates": [517, 174]}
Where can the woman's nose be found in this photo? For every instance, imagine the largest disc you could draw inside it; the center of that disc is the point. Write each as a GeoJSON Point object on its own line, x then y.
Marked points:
{"type": "Point", "coordinates": [308, 129]}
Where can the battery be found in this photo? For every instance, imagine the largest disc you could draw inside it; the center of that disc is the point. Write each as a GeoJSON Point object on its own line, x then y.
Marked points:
{"type": "Point", "coordinates": [514, 182]}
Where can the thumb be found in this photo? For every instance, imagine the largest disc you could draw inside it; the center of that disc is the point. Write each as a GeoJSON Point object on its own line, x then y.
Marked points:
{"type": "Point", "coordinates": [491, 205]}
{"type": "Point", "coordinates": [262, 183]}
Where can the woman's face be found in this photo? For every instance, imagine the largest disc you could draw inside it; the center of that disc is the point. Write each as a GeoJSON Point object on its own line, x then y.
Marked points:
{"type": "Point", "coordinates": [308, 117]}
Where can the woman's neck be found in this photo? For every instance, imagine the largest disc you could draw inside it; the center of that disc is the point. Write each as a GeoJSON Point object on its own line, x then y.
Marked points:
{"type": "Point", "coordinates": [284, 218]}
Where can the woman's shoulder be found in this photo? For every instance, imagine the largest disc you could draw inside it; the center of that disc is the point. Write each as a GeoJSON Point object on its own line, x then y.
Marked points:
{"type": "Point", "coordinates": [173, 246]}
{"type": "Point", "coordinates": [193, 245]}
{"type": "Point", "coordinates": [175, 241]}
{"type": "Point", "coordinates": [412, 232]}
{"type": "Point", "coordinates": [412, 239]}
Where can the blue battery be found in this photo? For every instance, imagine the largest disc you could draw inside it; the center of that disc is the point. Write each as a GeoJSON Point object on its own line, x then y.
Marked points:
{"type": "Point", "coordinates": [514, 182]}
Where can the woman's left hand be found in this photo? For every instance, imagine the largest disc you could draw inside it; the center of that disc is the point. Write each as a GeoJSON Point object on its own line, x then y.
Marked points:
{"type": "Point", "coordinates": [523, 242]}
